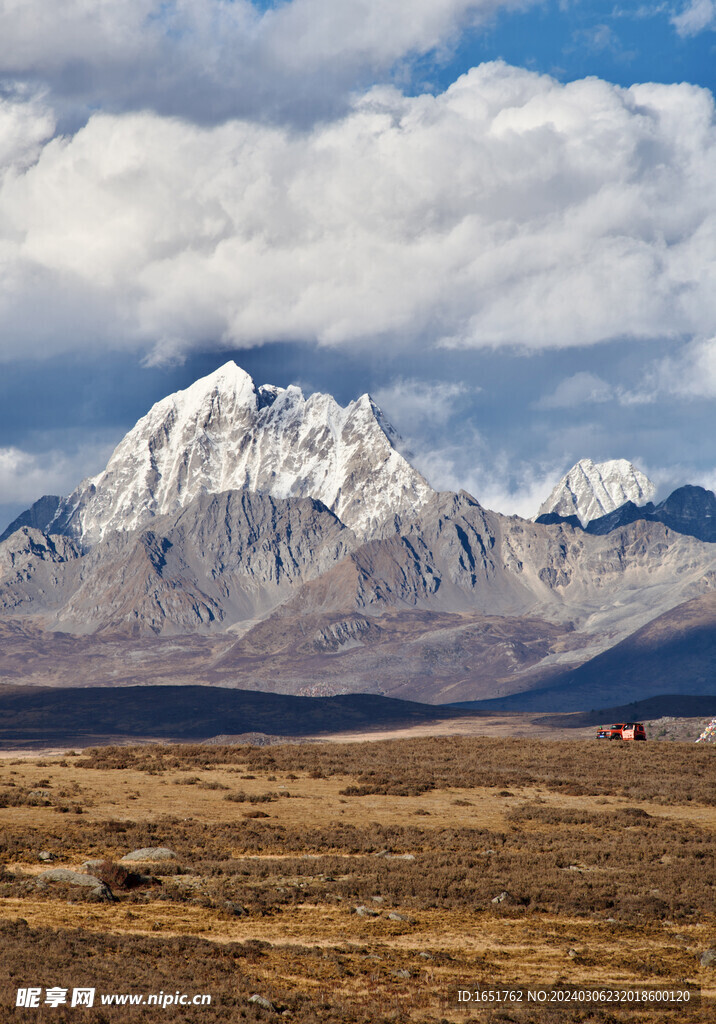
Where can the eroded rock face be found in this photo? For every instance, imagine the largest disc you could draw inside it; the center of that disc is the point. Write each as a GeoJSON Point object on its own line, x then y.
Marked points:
{"type": "Point", "coordinates": [33, 565]}
{"type": "Point", "coordinates": [223, 433]}
{"type": "Point", "coordinates": [223, 559]}
{"type": "Point", "coordinates": [25, 550]}
{"type": "Point", "coordinates": [38, 516]}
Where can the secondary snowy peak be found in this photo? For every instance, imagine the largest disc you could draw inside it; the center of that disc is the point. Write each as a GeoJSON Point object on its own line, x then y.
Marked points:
{"type": "Point", "coordinates": [223, 433]}
{"type": "Point", "coordinates": [590, 490]}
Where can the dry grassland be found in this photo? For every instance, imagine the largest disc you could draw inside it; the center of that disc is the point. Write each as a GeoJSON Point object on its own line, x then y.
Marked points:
{"type": "Point", "coordinates": [604, 854]}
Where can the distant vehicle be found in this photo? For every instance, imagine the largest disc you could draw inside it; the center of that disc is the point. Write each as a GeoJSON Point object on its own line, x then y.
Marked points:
{"type": "Point", "coordinates": [623, 731]}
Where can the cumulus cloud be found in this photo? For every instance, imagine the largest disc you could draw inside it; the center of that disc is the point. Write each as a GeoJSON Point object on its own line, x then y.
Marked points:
{"type": "Point", "coordinates": [26, 475]}
{"type": "Point", "coordinates": [696, 16]}
{"type": "Point", "coordinates": [690, 373]}
{"type": "Point", "coordinates": [509, 210]}
{"type": "Point", "coordinates": [413, 404]}
{"type": "Point", "coordinates": [497, 479]}
{"type": "Point", "coordinates": [581, 388]}
{"type": "Point", "coordinates": [212, 59]}
{"type": "Point", "coordinates": [25, 125]}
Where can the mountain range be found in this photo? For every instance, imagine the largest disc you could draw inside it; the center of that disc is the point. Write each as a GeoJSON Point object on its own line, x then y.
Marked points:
{"type": "Point", "coordinates": [592, 490]}
{"type": "Point", "coordinates": [689, 509]}
{"type": "Point", "coordinates": [249, 537]}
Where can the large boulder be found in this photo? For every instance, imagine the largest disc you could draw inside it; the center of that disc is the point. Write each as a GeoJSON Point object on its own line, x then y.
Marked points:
{"type": "Point", "coordinates": [67, 877]}
{"type": "Point", "coordinates": [149, 853]}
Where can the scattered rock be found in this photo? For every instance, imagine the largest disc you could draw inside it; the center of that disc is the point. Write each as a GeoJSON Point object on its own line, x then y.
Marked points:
{"type": "Point", "coordinates": [45, 855]}
{"type": "Point", "coordinates": [234, 908]}
{"type": "Point", "coordinates": [261, 1001]}
{"type": "Point", "coordinates": [401, 974]}
{"type": "Point", "coordinates": [611, 920]}
{"type": "Point", "coordinates": [98, 887]}
{"type": "Point", "coordinates": [425, 956]}
{"type": "Point", "coordinates": [572, 953]}
{"type": "Point", "coordinates": [501, 898]}
{"type": "Point", "coordinates": [401, 856]}
{"type": "Point", "coordinates": [395, 916]}
{"type": "Point", "coordinates": [150, 853]}
{"type": "Point", "coordinates": [91, 865]}
{"type": "Point", "coordinates": [377, 899]}
{"type": "Point", "coordinates": [366, 912]}
{"type": "Point", "coordinates": [708, 958]}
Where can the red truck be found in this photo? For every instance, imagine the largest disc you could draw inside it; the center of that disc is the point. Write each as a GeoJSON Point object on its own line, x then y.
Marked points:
{"type": "Point", "coordinates": [623, 731]}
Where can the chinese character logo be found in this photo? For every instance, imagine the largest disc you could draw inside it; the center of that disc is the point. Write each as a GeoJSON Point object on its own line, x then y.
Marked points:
{"type": "Point", "coordinates": [82, 997]}
{"type": "Point", "coordinates": [55, 996]}
{"type": "Point", "coordinates": [28, 997]}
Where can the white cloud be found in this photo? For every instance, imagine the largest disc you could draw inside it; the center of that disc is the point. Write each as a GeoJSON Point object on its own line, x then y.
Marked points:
{"type": "Point", "coordinates": [707, 480]}
{"type": "Point", "coordinates": [411, 405]}
{"type": "Point", "coordinates": [690, 373]}
{"type": "Point", "coordinates": [25, 125]}
{"type": "Point", "coordinates": [496, 479]}
{"type": "Point", "coordinates": [695, 17]}
{"type": "Point", "coordinates": [210, 59]}
{"type": "Point", "coordinates": [25, 475]}
{"type": "Point", "coordinates": [581, 388]}
{"type": "Point", "coordinates": [509, 210]}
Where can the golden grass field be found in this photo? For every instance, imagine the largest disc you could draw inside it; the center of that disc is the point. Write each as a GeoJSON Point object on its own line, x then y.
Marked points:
{"type": "Point", "coordinates": [605, 852]}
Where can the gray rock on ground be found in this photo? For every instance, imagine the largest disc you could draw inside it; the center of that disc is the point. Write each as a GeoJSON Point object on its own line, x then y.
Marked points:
{"type": "Point", "coordinates": [262, 1001]}
{"type": "Point", "coordinates": [149, 853]}
{"type": "Point", "coordinates": [708, 958]}
{"type": "Point", "coordinates": [234, 908]}
{"type": "Point", "coordinates": [91, 865]}
{"type": "Point", "coordinates": [97, 886]}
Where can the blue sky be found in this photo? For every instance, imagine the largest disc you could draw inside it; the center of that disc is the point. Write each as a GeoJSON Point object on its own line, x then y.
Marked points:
{"type": "Point", "coordinates": [497, 216]}
{"type": "Point", "coordinates": [620, 42]}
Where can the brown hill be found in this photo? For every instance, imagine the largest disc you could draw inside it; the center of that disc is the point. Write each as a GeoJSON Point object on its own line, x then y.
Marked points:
{"type": "Point", "coordinates": [674, 654]}
{"type": "Point", "coordinates": [39, 716]}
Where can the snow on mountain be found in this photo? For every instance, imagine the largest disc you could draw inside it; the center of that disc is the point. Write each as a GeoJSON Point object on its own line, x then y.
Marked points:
{"type": "Point", "coordinates": [223, 433]}
{"type": "Point", "coordinates": [590, 490]}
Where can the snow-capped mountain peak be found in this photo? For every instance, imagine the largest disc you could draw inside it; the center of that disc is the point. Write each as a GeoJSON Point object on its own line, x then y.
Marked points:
{"type": "Point", "coordinates": [223, 433]}
{"type": "Point", "coordinates": [590, 490]}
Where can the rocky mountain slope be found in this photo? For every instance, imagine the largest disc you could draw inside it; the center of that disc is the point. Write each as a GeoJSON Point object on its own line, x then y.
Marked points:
{"type": "Point", "coordinates": [222, 559]}
{"type": "Point", "coordinates": [230, 558]}
{"type": "Point", "coordinates": [590, 490]}
{"type": "Point", "coordinates": [673, 654]}
{"type": "Point", "coordinates": [38, 516]}
{"type": "Point", "coordinates": [224, 433]}
{"type": "Point", "coordinates": [460, 604]}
